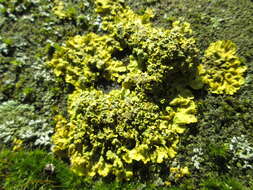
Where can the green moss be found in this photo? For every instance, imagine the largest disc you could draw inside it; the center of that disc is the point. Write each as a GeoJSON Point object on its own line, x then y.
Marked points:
{"type": "Point", "coordinates": [222, 183]}
{"type": "Point", "coordinates": [36, 170]}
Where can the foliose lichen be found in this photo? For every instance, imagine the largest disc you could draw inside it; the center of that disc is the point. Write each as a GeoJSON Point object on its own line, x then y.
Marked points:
{"type": "Point", "coordinates": [20, 125]}
{"type": "Point", "coordinates": [222, 69]}
{"type": "Point", "coordinates": [131, 97]}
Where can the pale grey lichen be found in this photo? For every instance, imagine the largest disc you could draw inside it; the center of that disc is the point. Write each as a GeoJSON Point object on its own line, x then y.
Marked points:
{"type": "Point", "coordinates": [19, 121]}
{"type": "Point", "coordinates": [197, 157]}
{"type": "Point", "coordinates": [242, 152]}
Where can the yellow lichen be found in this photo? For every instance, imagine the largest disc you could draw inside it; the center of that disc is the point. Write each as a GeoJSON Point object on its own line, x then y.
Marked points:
{"type": "Point", "coordinates": [121, 121]}
{"type": "Point", "coordinates": [131, 98]}
{"type": "Point", "coordinates": [17, 144]}
{"type": "Point", "coordinates": [58, 9]}
{"type": "Point", "coordinates": [221, 69]}
{"type": "Point", "coordinates": [87, 59]}
{"type": "Point", "coordinates": [179, 172]}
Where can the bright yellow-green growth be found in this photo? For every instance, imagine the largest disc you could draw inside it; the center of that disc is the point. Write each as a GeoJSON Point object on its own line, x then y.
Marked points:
{"type": "Point", "coordinates": [222, 70]}
{"type": "Point", "coordinates": [18, 144]}
{"type": "Point", "coordinates": [156, 54]}
{"type": "Point", "coordinates": [86, 60]}
{"type": "Point", "coordinates": [110, 133]}
{"type": "Point", "coordinates": [131, 98]}
{"type": "Point", "coordinates": [179, 172]}
{"type": "Point", "coordinates": [58, 9]}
